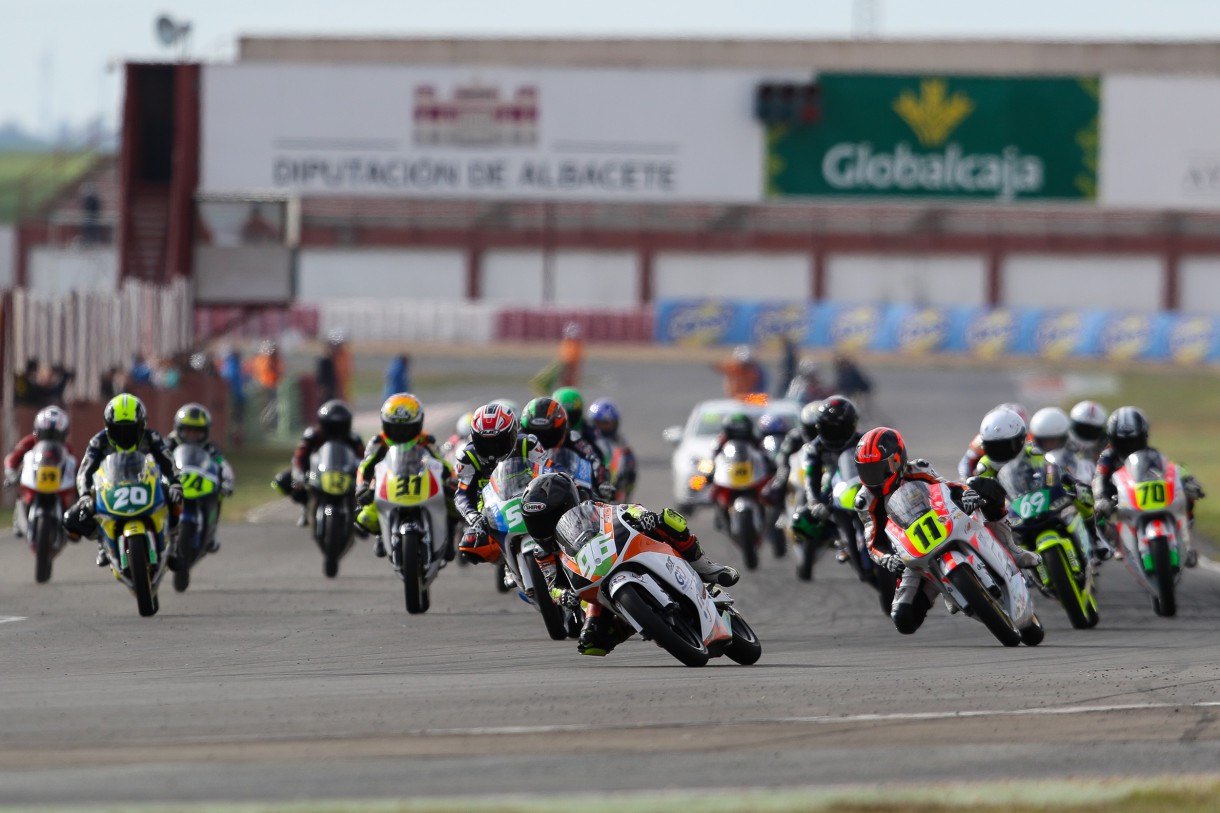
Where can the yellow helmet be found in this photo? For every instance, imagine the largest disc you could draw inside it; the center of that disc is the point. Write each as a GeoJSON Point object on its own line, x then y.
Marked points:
{"type": "Point", "coordinates": [402, 418]}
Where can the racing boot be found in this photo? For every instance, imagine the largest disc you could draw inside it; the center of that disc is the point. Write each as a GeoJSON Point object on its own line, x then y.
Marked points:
{"type": "Point", "coordinates": [102, 560]}
{"type": "Point", "coordinates": [597, 635]}
{"type": "Point", "coordinates": [1003, 533]}
{"type": "Point", "coordinates": [368, 524]}
{"type": "Point", "coordinates": [714, 573]}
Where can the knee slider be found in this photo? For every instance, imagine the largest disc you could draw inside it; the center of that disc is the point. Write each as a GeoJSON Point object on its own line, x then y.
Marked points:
{"type": "Point", "coordinates": [906, 619]}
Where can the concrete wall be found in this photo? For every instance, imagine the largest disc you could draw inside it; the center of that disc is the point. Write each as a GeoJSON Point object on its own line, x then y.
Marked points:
{"type": "Point", "coordinates": [739, 275]}
{"type": "Point", "coordinates": [1097, 281]}
{"type": "Point", "coordinates": [243, 274]}
{"type": "Point", "coordinates": [919, 279]}
{"type": "Point", "coordinates": [1200, 284]}
{"type": "Point", "coordinates": [324, 274]}
{"type": "Point", "coordinates": [58, 270]}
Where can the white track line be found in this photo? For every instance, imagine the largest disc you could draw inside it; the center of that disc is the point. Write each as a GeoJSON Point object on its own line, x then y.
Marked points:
{"type": "Point", "coordinates": [8, 618]}
{"type": "Point", "coordinates": [828, 719]}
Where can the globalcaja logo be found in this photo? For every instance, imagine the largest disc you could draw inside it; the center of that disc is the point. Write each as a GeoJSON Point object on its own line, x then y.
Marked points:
{"type": "Point", "coordinates": [854, 328]}
{"type": "Point", "coordinates": [989, 335]}
{"type": "Point", "coordinates": [934, 114]}
{"type": "Point", "coordinates": [1058, 334]}
{"type": "Point", "coordinates": [1126, 337]}
{"type": "Point", "coordinates": [1191, 339]}
{"type": "Point", "coordinates": [775, 321]}
{"type": "Point", "coordinates": [699, 323]}
{"type": "Point", "coordinates": [922, 331]}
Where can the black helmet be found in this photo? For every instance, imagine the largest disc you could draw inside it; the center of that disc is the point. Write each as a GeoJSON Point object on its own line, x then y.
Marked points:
{"type": "Point", "coordinates": [881, 458]}
{"type": "Point", "coordinates": [545, 500]}
{"type": "Point", "coordinates": [1127, 429]}
{"type": "Point", "coordinates": [125, 419]}
{"type": "Point", "coordinates": [809, 420]}
{"type": "Point", "coordinates": [738, 426]}
{"type": "Point", "coordinates": [545, 419]}
{"type": "Point", "coordinates": [837, 419]}
{"type": "Point", "coordinates": [335, 419]}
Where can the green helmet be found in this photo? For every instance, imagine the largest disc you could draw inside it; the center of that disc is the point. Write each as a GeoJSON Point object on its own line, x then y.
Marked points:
{"type": "Point", "coordinates": [573, 403]}
{"type": "Point", "coordinates": [125, 418]}
{"type": "Point", "coordinates": [192, 423]}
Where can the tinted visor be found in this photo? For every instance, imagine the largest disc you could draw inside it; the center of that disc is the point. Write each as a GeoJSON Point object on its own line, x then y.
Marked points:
{"type": "Point", "coordinates": [192, 434]}
{"type": "Point", "coordinates": [336, 430]}
{"type": "Point", "coordinates": [876, 473]}
{"type": "Point", "coordinates": [401, 432]}
{"type": "Point", "coordinates": [493, 446]}
{"type": "Point", "coordinates": [1002, 451]}
{"type": "Point", "coordinates": [836, 436]}
{"type": "Point", "coordinates": [124, 435]}
{"type": "Point", "coordinates": [1088, 432]}
{"type": "Point", "coordinates": [552, 437]}
{"type": "Point", "coordinates": [1129, 445]}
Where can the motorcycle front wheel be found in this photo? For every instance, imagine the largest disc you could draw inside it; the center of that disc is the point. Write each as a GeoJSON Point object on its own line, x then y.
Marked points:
{"type": "Point", "coordinates": [1075, 603]}
{"type": "Point", "coordinates": [1166, 601]}
{"type": "Point", "coordinates": [187, 544]}
{"type": "Point", "coordinates": [42, 531]}
{"type": "Point", "coordinates": [745, 647]}
{"type": "Point", "coordinates": [552, 613]}
{"type": "Point", "coordinates": [983, 606]}
{"type": "Point", "coordinates": [137, 564]}
{"type": "Point", "coordinates": [675, 637]}
{"type": "Point", "coordinates": [414, 590]}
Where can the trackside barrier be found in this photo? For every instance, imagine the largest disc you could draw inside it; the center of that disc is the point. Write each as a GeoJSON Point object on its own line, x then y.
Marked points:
{"type": "Point", "coordinates": [927, 330]}
{"type": "Point", "coordinates": [263, 323]}
{"type": "Point", "coordinates": [407, 320]}
{"type": "Point", "coordinates": [529, 324]}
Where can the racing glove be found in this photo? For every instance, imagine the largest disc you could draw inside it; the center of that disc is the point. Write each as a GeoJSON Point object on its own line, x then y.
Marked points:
{"type": "Point", "coordinates": [971, 501]}
{"type": "Point", "coordinates": [11, 477]}
{"type": "Point", "coordinates": [84, 507]}
{"type": "Point", "coordinates": [477, 523]}
{"type": "Point", "coordinates": [819, 512]}
{"type": "Point", "coordinates": [1103, 508]}
{"type": "Point", "coordinates": [174, 494]}
{"type": "Point", "coordinates": [1191, 486]}
{"type": "Point", "coordinates": [1084, 493]}
{"type": "Point", "coordinates": [893, 564]}
{"type": "Point", "coordinates": [364, 495]}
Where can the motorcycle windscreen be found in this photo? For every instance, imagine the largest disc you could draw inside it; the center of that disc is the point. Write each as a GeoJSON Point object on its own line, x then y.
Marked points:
{"type": "Point", "coordinates": [408, 475]}
{"type": "Point", "coordinates": [568, 461]}
{"type": "Point", "coordinates": [190, 456]}
{"type": "Point", "coordinates": [124, 467]}
{"type": "Point", "coordinates": [511, 477]}
{"type": "Point", "coordinates": [1019, 476]}
{"type": "Point", "coordinates": [578, 527]}
{"type": "Point", "coordinates": [909, 504]}
{"type": "Point", "coordinates": [1145, 465]}
{"type": "Point", "coordinates": [47, 453]}
{"type": "Point", "coordinates": [335, 468]}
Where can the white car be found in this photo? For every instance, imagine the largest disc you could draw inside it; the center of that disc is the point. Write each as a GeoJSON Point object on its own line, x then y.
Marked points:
{"type": "Point", "coordinates": [692, 460]}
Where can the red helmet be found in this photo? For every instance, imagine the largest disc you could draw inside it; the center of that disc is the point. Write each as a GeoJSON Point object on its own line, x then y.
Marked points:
{"type": "Point", "coordinates": [493, 428]}
{"type": "Point", "coordinates": [881, 457]}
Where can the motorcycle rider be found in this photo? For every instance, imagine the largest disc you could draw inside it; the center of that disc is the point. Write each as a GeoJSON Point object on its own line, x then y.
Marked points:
{"type": "Point", "coordinates": [737, 427]}
{"type": "Point", "coordinates": [604, 418]}
{"type": "Point", "coordinates": [796, 439]}
{"type": "Point", "coordinates": [836, 421]}
{"type": "Point", "coordinates": [1005, 438]}
{"type": "Point", "coordinates": [883, 465]}
{"type": "Point", "coordinates": [193, 424]}
{"type": "Point", "coordinates": [1127, 429]}
{"type": "Point", "coordinates": [495, 435]}
{"type": "Point", "coordinates": [547, 420]}
{"type": "Point", "coordinates": [573, 403]}
{"type": "Point", "coordinates": [402, 423]}
{"type": "Point", "coordinates": [334, 422]}
{"type": "Point", "coordinates": [125, 430]}
{"type": "Point", "coordinates": [50, 424]}
{"type": "Point", "coordinates": [553, 494]}
{"type": "Point", "coordinates": [974, 452]}
{"type": "Point", "coordinates": [1087, 429]}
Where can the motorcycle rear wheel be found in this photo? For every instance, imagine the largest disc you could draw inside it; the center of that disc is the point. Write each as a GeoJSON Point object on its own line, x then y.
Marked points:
{"type": "Point", "coordinates": [414, 590]}
{"type": "Point", "coordinates": [552, 613]}
{"type": "Point", "coordinates": [806, 550]}
{"type": "Point", "coordinates": [43, 533]}
{"type": "Point", "coordinates": [675, 639]}
{"type": "Point", "coordinates": [1075, 603]}
{"type": "Point", "coordinates": [187, 545]}
{"type": "Point", "coordinates": [984, 606]}
{"type": "Point", "coordinates": [137, 564]}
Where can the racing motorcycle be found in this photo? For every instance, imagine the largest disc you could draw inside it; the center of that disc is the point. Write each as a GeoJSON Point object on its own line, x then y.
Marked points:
{"type": "Point", "coordinates": [650, 588]}
{"type": "Point", "coordinates": [200, 477]}
{"type": "Point", "coordinates": [48, 482]}
{"type": "Point", "coordinates": [621, 467]}
{"type": "Point", "coordinates": [739, 474]}
{"type": "Point", "coordinates": [1043, 516]}
{"type": "Point", "coordinates": [409, 492]}
{"type": "Point", "coordinates": [567, 461]}
{"type": "Point", "coordinates": [332, 502]}
{"type": "Point", "coordinates": [1153, 526]}
{"type": "Point", "coordinates": [844, 484]}
{"type": "Point", "coordinates": [502, 510]}
{"type": "Point", "coordinates": [131, 511]}
{"type": "Point", "coordinates": [957, 553]}
{"type": "Point", "coordinates": [776, 520]}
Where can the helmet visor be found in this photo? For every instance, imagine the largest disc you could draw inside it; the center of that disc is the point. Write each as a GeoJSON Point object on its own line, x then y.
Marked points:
{"type": "Point", "coordinates": [124, 435]}
{"type": "Point", "coordinates": [1088, 432]}
{"type": "Point", "coordinates": [401, 432]}
{"type": "Point", "coordinates": [876, 473]}
{"type": "Point", "coordinates": [492, 446]}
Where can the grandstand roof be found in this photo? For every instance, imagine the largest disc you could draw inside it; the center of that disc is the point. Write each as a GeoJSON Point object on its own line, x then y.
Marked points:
{"type": "Point", "coordinates": [860, 55]}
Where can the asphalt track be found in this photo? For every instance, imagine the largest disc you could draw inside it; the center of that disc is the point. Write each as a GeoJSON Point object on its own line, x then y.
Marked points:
{"type": "Point", "coordinates": [267, 681]}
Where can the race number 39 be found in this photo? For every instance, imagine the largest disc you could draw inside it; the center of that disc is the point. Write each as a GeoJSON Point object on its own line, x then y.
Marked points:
{"type": "Point", "coordinates": [596, 556]}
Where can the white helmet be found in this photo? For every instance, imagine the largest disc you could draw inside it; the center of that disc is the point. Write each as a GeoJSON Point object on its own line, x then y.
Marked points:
{"type": "Point", "coordinates": [1088, 422]}
{"type": "Point", "coordinates": [1049, 426]}
{"type": "Point", "coordinates": [51, 423]}
{"type": "Point", "coordinates": [462, 430]}
{"type": "Point", "coordinates": [1003, 434]}
{"type": "Point", "coordinates": [742, 353]}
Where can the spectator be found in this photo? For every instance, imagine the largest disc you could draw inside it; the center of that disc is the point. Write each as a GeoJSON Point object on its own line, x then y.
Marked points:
{"type": "Point", "coordinates": [55, 380]}
{"type": "Point", "coordinates": [266, 369]}
{"type": "Point", "coordinates": [25, 384]}
{"type": "Point", "coordinates": [113, 382]}
{"type": "Point", "coordinates": [326, 375]}
{"type": "Point", "coordinates": [165, 375]}
{"type": "Point", "coordinates": [258, 228]}
{"type": "Point", "coordinates": [141, 372]}
{"type": "Point", "coordinates": [571, 354]}
{"type": "Point", "coordinates": [397, 376]}
{"type": "Point", "coordinates": [742, 374]}
{"type": "Point", "coordinates": [787, 365]}
{"type": "Point", "coordinates": [233, 374]}
{"type": "Point", "coordinates": [850, 380]}
{"type": "Point", "coordinates": [806, 385]}
{"type": "Point", "coordinates": [91, 211]}
{"type": "Point", "coordinates": [342, 359]}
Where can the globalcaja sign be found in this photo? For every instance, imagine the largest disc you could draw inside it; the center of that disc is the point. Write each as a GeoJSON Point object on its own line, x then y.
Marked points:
{"type": "Point", "coordinates": [920, 330]}
{"type": "Point", "coordinates": [990, 138]}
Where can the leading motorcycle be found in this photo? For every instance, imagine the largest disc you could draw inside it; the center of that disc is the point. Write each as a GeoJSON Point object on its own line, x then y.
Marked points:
{"type": "Point", "coordinates": [957, 553]}
{"type": "Point", "coordinates": [650, 588]}
{"type": "Point", "coordinates": [48, 483]}
{"type": "Point", "coordinates": [409, 491]}
{"type": "Point", "coordinates": [131, 511]}
{"type": "Point", "coordinates": [200, 478]}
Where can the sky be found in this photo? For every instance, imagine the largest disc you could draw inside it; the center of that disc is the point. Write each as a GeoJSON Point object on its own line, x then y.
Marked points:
{"type": "Point", "coordinates": [58, 56]}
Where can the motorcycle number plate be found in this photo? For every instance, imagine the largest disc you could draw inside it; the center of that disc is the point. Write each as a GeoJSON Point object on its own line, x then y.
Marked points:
{"type": "Point", "coordinates": [741, 474]}
{"type": "Point", "coordinates": [1032, 504]}
{"type": "Point", "coordinates": [1150, 495]}
{"type": "Point", "coordinates": [926, 532]}
{"type": "Point", "coordinates": [48, 478]}
{"type": "Point", "coordinates": [336, 482]}
{"type": "Point", "coordinates": [408, 490]}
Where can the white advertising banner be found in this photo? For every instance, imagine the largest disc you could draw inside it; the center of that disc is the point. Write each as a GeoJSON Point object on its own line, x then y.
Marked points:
{"type": "Point", "coordinates": [1160, 142]}
{"type": "Point", "coordinates": [448, 131]}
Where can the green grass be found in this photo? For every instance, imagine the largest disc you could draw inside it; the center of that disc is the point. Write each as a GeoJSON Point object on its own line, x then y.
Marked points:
{"type": "Point", "coordinates": [1183, 408]}
{"type": "Point", "coordinates": [44, 174]}
{"type": "Point", "coordinates": [253, 467]}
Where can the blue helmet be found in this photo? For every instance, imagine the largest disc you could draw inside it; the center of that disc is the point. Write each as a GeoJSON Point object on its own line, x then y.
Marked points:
{"type": "Point", "coordinates": [603, 414]}
{"type": "Point", "coordinates": [772, 424]}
